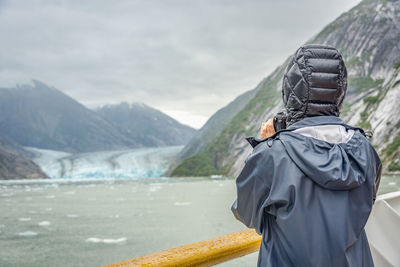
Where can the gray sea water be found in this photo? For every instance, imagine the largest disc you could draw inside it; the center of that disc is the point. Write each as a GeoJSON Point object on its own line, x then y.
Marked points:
{"type": "Point", "coordinates": [96, 222]}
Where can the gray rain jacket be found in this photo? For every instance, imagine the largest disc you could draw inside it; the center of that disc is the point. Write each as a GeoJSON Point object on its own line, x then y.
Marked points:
{"type": "Point", "coordinates": [309, 190]}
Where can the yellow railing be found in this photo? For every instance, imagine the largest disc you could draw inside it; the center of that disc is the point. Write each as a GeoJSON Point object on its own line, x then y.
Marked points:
{"type": "Point", "coordinates": [204, 253]}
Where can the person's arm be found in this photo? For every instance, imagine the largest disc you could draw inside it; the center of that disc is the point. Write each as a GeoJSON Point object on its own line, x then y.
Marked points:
{"type": "Point", "coordinates": [253, 187]}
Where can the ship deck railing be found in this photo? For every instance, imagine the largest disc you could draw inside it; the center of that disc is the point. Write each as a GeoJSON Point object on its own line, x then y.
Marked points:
{"type": "Point", "coordinates": [383, 231]}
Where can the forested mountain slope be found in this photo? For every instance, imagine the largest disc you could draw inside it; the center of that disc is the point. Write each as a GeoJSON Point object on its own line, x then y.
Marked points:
{"type": "Point", "coordinates": [368, 36]}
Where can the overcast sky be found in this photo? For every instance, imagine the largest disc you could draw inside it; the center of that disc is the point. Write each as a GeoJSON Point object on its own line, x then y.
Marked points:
{"type": "Point", "coordinates": [187, 58]}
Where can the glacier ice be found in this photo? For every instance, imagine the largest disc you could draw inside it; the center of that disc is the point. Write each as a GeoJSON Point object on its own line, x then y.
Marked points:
{"type": "Point", "coordinates": [133, 163]}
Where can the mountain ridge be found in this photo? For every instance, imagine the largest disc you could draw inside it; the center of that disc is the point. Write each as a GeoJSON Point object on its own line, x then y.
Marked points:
{"type": "Point", "coordinates": [146, 125]}
{"type": "Point", "coordinates": [42, 116]}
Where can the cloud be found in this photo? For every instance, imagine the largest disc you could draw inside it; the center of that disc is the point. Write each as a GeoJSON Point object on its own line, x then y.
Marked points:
{"type": "Point", "coordinates": [187, 58]}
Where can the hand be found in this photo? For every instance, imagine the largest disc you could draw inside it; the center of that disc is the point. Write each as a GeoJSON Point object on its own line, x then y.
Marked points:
{"type": "Point", "coordinates": [267, 128]}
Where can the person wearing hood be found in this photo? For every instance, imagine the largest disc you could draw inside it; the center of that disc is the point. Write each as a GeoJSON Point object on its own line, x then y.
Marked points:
{"type": "Point", "coordinates": [309, 188]}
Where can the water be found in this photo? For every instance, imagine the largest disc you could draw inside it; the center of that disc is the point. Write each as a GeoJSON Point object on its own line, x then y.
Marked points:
{"type": "Point", "coordinates": [93, 222]}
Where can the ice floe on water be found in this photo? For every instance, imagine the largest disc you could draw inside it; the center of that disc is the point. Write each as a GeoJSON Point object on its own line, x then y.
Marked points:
{"type": "Point", "coordinates": [72, 215]}
{"type": "Point", "coordinates": [392, 183]}
{"type": "Point", "coordinates": [44, 223]}
{"type": "Point", "coordinates": [27, 219]}
{"type": "Point", "coordinates": [182, 203]}
{"type": "Point", "coordinates": [49, 209]}
{"type": "Point", "coordinates": [28, 234]}
{"type": "Point", "coordinates": [106, 240]}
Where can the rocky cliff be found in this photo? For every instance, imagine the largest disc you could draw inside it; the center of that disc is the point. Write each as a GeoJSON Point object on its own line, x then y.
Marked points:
{"type": "Point", "coordinates": [368, 36]}
{"type": "Point", "coordinates": [15, 162]}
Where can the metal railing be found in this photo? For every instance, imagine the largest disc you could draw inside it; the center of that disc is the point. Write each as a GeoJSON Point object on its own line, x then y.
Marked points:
{"type": "Point", "coordinates": [204, 253]}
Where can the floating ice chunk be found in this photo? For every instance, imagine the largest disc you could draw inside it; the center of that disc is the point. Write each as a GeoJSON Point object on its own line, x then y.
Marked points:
{"type": "Point", "coordinates": [215, 176]}
{"type": "Point", "coordinates": [93, 240]}
{"type": "Point", "coordinates": [44, 223]}
{"type": "Point", "coordinates": [114, 241]}
{"type": "Point", "coordinates": [72, 215]}
{"type": "Point", "coordinates": [106, 240]}
{"type": "Point", "coordinates": [27, 219]}
{"type": "Point", "coordinates": [392, 183]}
{"type": "Point", "coordinates": [28, 233]}
{"type": "Point", "coordinates": [182, 203]}
{"type": "Point", "coordinates": [49, 209]}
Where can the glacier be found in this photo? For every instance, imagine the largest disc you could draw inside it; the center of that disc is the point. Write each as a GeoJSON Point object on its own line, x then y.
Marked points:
{"type": "Point", "coordinates": [132, 163]}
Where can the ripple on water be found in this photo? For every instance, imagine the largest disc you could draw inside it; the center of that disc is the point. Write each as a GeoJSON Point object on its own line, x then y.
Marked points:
{"type": "Point", "coordinates": [28, 234]}
{"type": "Point", "coordinates": [72, 215]}
{"type": "Point", "coordinates": [27, 219]}
{"type": "Point", "coordinates": [182, 203]}
{"type": "Point", "coordinates": [154, 188]}
{"type": "Point", "coordinates": [106, 240]}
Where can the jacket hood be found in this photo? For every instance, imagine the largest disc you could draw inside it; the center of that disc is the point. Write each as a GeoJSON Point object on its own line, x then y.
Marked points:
{"type": "Point", "coordinates": [329, 152]}
{"type": "Point", "coordinates": [314, 83]}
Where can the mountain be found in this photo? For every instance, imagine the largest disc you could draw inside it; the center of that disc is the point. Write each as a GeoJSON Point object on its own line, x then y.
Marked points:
{"type": "Point", "coordinates": [15, 162]}
{"type": "Point", "coordinates": [368, 37]}
{"type": "Point", "coordinates": [215, 124]}
{"type": "Point", "coordinates": [146, 125]}
{"type": "Point", "coordinates": [41, 116]}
